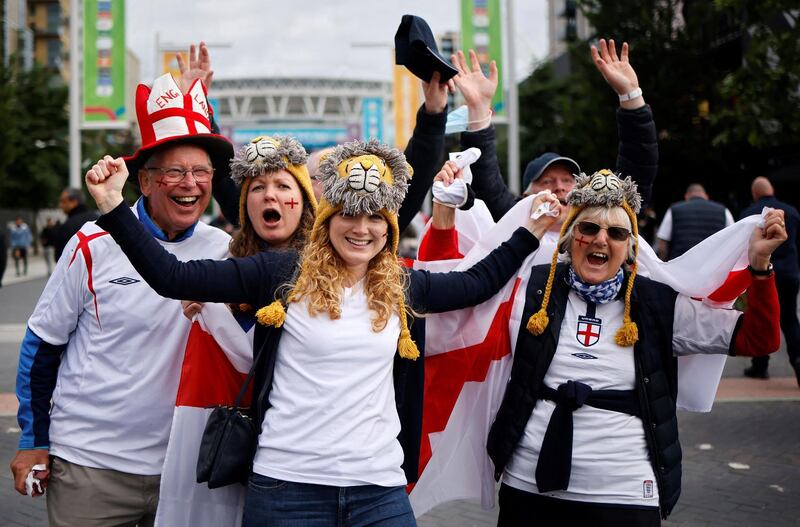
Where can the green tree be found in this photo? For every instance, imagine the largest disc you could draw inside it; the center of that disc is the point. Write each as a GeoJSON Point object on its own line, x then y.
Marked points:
{"type": "Point", "coordinates": [722, 79]}
{"type": "Point", "coordinates": [763, 96]}
{"type": "Point", "coordinates": [33, 137]}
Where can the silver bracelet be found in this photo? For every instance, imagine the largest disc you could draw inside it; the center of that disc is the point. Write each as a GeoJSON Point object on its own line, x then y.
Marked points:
{"type": "Point", "coordinates": [630, 95]}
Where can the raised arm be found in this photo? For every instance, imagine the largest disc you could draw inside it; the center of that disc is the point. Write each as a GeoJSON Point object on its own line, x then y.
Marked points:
{"type": "Point", "coordinates": [225, 191]}
{"type": "Point", "coordinates": [425, 148]}
{"type": "Point", "coordinates": [478, 91]}
{"type": "Point", "coordinates": [637, 154]}
{"type": "Point", "coordinates": [441, 240]}
{"type": "Point", "coordinates": [701, 329]}
{"type": "Point", "coordinates": [236, 280]}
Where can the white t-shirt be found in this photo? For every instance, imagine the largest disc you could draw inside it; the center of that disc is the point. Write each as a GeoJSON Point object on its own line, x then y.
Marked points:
{"type": "Point", "coordinates": [610, 462]}
{"type": "Point", "coordinates": [333, 419]}
{"type": "Point", "coordinates": [115, 393]}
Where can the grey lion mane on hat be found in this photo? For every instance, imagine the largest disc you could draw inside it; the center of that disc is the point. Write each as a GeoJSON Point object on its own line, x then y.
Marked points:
{"type": "Point", "coordinates": [583, 195]}
{"type": "Point", "coordinates": [338, 191]}
{"type": "Point", "coordinates": [288, 148]}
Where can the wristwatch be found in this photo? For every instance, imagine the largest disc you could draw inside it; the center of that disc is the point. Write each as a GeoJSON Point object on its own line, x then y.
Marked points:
{"type": "Point", "coordinates": [760, 272]}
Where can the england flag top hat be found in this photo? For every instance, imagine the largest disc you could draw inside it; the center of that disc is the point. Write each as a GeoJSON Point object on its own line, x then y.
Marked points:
{"type": "Point", "coordinates": [168, 116]}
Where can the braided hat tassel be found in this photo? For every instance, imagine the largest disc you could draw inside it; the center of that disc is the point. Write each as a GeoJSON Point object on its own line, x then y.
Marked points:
{"type": "Point", "coordinates": [272, 315]}
{"type": "Point", "coordinates": [406, 346]}
{"type": "Point", "coordinates": [628, 334]}
{"type": "Point", "coordinates": [538, 322]}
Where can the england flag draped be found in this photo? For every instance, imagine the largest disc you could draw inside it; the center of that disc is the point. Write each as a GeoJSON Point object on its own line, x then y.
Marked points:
{"type": "Point", "coordinates": [219, 353]}
{"type": "Point", "coordinates": [469, 352]}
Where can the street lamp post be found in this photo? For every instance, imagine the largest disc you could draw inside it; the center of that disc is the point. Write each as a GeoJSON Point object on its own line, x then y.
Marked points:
{"type": "Point", "coordinates": [74, 95]}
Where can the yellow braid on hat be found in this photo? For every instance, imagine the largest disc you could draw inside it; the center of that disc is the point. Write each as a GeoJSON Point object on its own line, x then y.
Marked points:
{"type": "Point", "coordinates": [406, 346]}
{"type": "Point", "coordinates": [628, 334]}
{"type": "Point", "coordinates": [538, 322]}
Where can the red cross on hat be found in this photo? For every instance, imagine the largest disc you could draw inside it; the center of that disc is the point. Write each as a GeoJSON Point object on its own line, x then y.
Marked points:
{"type": "Point", "coordinates": [166, 115]}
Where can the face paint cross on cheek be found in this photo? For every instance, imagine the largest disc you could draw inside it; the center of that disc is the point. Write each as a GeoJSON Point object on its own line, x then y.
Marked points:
{"type": "Point", "coordinates": [291, 203]}
{"type": "Point", "coordinates": [161, 183]}
{"type": "Point", "coordinates": [581, 241]}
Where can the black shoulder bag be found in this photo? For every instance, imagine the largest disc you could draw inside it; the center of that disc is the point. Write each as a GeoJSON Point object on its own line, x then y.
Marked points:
{"type": "Point", "coordinates": [230, 438]}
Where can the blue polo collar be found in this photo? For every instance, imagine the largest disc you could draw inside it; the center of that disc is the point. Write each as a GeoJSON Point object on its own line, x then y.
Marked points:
{"type": "Point", "coordinates": [154, 229]}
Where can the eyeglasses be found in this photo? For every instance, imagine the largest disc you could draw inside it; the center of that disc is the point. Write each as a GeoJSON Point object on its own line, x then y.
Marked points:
{"type": "Point", "coordinates": [175, 175]}
{"type": "Point", "coordinates": [588, 228]}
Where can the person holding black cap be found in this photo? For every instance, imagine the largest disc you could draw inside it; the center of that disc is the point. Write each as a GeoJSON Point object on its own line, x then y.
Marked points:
{"type": "Point", "coordinates": [638, 144]}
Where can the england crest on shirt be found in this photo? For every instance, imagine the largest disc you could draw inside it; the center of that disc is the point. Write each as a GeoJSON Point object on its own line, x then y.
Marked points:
{"type": "Point", "coordinates": [588, 333]}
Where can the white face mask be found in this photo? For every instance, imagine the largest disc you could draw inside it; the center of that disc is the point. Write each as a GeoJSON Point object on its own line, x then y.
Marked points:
{"type": "Point", "coordinates": [457, 120]}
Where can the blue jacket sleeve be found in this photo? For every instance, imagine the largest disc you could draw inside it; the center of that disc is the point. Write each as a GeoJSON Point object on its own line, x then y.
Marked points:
{"type": "Point", "coordinates": [438, 292]}
{"type": "Point", "coordinates": [235, 280]}
{"type": "Point", "coordinates": [36, 380]}
{"type": "Point", "coordinates": [424, 153]}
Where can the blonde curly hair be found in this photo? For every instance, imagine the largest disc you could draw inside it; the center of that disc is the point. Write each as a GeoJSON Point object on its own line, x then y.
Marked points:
{"type": "Point", "coordinates": [323, 277]}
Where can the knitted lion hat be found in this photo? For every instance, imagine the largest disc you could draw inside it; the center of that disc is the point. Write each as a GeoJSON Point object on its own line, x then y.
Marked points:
{"type": "Point", "coordinates": [604, 188]}
{"type": "Point", "coordinates": [360, 178]}
{"type": "Point", "coordinates": [265, 154]}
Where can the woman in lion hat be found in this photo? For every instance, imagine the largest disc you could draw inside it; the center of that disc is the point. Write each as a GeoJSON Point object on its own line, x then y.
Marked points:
{"type": "Point", "coordinates": [340, 425]}
{"type": "Point", "coordinates": [587, 429]}
{"type": "Point", "coordinates": [276, 212]}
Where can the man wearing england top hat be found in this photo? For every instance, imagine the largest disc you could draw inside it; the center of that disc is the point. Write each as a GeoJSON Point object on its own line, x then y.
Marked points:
{"type": "Point", "coordinates": [100, 361]}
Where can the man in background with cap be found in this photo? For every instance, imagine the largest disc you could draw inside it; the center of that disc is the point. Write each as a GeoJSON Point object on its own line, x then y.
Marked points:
{"type": "Point", "coordinates": [103, 346]}
{"type": "Point", "coordinates": [638, 144]}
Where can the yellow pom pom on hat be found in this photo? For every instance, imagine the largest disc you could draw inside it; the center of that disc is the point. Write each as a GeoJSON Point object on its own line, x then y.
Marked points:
{"type": "Point", "coordinates": [264, 154]}
{"type": "Point", "coordinates": [360, 178]}
{"type": "Point", "coordinates": [604, 188]}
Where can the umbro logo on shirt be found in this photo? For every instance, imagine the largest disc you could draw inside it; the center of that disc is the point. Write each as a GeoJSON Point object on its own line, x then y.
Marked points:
{"type": "Point", "coordinates": [584, 356]}
{"type": "Point", "coordinates": [123, 280]}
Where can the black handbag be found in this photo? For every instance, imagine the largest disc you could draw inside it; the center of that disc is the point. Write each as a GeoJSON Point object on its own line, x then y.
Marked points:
{"type": "Point", "coordinates": [231, 434]}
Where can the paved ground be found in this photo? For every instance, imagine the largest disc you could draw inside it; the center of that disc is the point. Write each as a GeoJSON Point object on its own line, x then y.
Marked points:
{"type": "Point", "coordinates": [755, 424]}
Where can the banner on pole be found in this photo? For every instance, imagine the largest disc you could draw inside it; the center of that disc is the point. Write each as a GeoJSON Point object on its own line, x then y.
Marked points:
{"type": "Point", "coordinates": [407, 96]}
{"type": "Point", "coordinates": [169, 62]}
{"type": "Point", "coordinates": [104, 63]}
{"type": "Point", "coordinates": [481, 30]}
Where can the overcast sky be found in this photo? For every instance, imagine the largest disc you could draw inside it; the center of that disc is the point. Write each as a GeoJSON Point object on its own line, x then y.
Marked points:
{"type": "Point", "coordinates": [304, 38]}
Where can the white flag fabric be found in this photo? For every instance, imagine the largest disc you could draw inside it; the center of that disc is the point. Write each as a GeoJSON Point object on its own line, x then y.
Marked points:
{"type": "Point", "coordinates": [218, 356]}
{"type": "Point", "coordinates": [469, 352]}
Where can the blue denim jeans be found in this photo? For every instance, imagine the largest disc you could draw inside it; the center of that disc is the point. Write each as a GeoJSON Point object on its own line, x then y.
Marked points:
{"type": "Point", "coordinates": [273, 502]}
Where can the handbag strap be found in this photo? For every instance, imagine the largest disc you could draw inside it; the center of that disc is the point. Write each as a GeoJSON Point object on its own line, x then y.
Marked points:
{"type": "Point", "coordinates": [267, 386]}
{"type": "Point", "coordinates": [252, 372]}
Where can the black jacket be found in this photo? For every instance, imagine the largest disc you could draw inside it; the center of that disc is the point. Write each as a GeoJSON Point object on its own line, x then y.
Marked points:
{"type": "Point", "coordinates": [693, 221]}
{"type": "Point", "coordinates": [254, 280]}
{"type": "Point", "coordinates": [652, 308]}
{"type": "Point", "coordinates": [75, 220]}
{"type": "Point", "coordinates": [637, 157]}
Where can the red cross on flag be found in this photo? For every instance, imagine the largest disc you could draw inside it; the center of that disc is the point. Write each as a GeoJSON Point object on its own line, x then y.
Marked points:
{"type": "Point", "coordinates": [588, 330]}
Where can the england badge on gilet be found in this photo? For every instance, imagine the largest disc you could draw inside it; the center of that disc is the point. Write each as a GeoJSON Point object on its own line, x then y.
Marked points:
{"type": "Point", "coordinates": [588, 330]}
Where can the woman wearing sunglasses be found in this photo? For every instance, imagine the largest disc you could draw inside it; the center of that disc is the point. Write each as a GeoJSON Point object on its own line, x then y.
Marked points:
{"type": "Point", "coordinates": [587, 430]}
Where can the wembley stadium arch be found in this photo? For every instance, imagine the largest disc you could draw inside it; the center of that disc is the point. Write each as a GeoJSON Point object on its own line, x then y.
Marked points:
{"type": "Point", "coordinates": [318, 112]}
